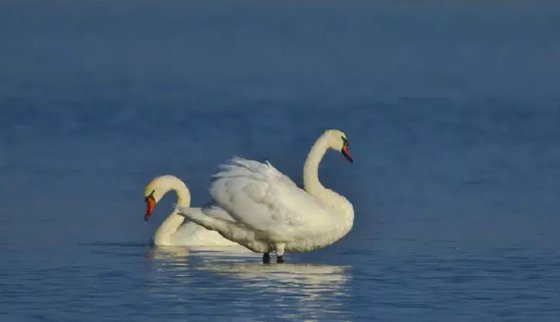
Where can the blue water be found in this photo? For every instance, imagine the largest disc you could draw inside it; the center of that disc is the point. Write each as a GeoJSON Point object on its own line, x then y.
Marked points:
{"type": "Point", "coordinates": [451, 108]}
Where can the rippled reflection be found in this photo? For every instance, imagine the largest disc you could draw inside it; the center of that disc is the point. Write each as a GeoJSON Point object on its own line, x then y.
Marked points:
{"type": "Point", "coordinates": [289, 291]}
{"type": "Point", "coordinates": [293, 290]}
{"type": "Point", "coordinates": [172, 253]}
{"type": "Point", "coordinates": [174, 267]}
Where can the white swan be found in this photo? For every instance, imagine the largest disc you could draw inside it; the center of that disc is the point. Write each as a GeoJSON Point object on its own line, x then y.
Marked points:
{"type": "Point", "coordinates": [175, 230]}
{"type": "Point", "coordinates": [270, 212]}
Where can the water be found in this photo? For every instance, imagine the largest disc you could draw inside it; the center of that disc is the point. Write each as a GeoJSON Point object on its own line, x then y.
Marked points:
{"type": "Point", "coordinates": [452, 113]}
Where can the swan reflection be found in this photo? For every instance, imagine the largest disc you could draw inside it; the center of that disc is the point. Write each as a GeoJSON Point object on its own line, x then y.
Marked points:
{"type": "Point", "coordinates": [288, 291]}
{"type": "Point", "coordinates": [293, 291]}
{"type": "Point", "coordinates": [177, 256]}
{"type": "Point", "coordinates": [177, 252]}
{"type": "Point", "coordinates": [311, 277]}
{"type": "Point", "coordinates": [168, 253]}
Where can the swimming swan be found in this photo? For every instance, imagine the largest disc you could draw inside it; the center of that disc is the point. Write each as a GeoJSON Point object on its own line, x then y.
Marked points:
{"type": "Point", "coordinates": [175, 230]}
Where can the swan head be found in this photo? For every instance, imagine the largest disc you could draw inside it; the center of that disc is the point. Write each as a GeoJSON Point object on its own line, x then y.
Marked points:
{"type": "Point", "coordinates": [158, 187]}
{"type": "Point", "coordinates": [337, 140]}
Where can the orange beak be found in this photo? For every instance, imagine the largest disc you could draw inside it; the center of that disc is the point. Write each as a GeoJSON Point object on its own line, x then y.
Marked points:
{"type": "Point", "coordinates": [150, 203]}
{"type": "Point", "coordinates": [346, 153]}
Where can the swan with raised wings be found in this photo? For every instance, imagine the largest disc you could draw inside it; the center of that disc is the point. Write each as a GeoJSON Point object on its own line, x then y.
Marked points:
{"type": "Point", "coordinates": [175, 230]}
{"type": "Point", "coordinates": [270, 212]}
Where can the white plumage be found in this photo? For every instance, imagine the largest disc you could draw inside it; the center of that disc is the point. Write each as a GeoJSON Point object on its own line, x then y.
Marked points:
{"type": "Point", "coordinates": [175, 230]}
{"type": "Point", "coordinates": [270, 212]}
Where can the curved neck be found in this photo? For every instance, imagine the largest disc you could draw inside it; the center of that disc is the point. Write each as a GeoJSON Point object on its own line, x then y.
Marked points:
{"type": "Point", "coordinates": [183, 196]}
{"type": "Point", "coordinates": [162, 185]}
{"type": "Point", "coordinates": [169, 226]}
{"type": "Point", "coordinates": [313, 186]}
{"type": "Point", "coordinates": [311, 181]}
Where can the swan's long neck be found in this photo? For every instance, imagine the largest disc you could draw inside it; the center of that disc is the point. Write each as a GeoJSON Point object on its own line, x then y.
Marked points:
{"type": "Point", "coordinates": [313, 186]}
{"type": "Point", "coordinates": [311, 181]}
{"type": "Point", "coordinates": [164, 233]}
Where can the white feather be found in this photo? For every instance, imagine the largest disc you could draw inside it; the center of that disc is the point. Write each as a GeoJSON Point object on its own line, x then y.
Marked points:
{"type": "Point", "coordinates": [269, 211]}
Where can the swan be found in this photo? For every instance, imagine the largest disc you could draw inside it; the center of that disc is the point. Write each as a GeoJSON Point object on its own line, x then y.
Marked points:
{"type": "Point", "coordinates": [175, 230]}
{"type": "Point", "coordinates": [267, 211]}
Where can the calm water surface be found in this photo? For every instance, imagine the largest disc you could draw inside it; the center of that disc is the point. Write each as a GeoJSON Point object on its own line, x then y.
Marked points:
{"type": "Point", "coordinates": [452, 113]}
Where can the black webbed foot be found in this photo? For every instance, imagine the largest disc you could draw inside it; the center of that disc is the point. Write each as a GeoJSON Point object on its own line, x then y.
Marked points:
{"type": "Point", "coordinates": [279, 259]}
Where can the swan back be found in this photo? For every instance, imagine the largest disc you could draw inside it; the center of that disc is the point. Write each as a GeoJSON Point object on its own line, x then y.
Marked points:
{"type": "Point", "coordinates": [260, 197]}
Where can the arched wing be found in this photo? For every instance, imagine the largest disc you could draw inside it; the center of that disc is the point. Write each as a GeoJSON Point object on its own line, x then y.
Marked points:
{"type": "Point", "coordinates": [261, 197]}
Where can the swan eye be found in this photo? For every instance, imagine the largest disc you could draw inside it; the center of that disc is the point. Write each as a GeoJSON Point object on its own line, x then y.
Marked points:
{"type": "Point", "coordinates": [150, 196]}
{"type": "Point", "coordinates": [345, 141]}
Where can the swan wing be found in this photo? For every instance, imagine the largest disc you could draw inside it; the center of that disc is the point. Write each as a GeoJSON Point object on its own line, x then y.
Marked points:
{"type": "Point", "coordinates": [261, 197]}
